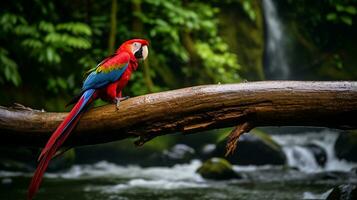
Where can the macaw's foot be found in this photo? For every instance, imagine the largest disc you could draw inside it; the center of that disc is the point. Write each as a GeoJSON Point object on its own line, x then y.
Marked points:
{"type": "Point", "coordinates": [124, 98]}
{"type": "Point", "coordinates": [117, 100]}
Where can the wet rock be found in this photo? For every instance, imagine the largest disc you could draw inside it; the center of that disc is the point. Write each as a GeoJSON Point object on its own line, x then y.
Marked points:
{"type": "Point", "coordinates": [331, 175]}
{"type": "Point", "coordinates": [18, 159]}
{"type": "Point", "coordinates": [161, 151]}
{"type": "Point", "coordinates": [6, 181]}
{"type": "Point", "coordinates": [319, 153]}
{"type": "Point", "coordinates": [25, 159]}
{"type": "Point", "coordinates": [290, 168]}
{"type": "Point", "coordinates": [14, 165]}
{"type": "Point", "coordinates": [180, 153]}
{"type": "Point", "coordinates": [217, 169]}
{"type": "Point", "coordinates": [354, 170]}
{"type": "Point", "coordinates": [122, 153]}
{"type": "Point", "coordinates": [346, 146]}
{"type": "Point", "coordinates": [343, 192]}
{"type": "Point", "coordinates": [254, 148]}
{"type": "Point", "coordinates": [207, 151]}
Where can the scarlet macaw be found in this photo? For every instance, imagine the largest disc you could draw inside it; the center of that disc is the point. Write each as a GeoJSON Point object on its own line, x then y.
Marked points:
{"type": "Point", "coordinates": [105, 81]}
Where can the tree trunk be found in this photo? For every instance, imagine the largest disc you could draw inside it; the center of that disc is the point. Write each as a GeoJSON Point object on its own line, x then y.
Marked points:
{"type": "Point", "coordinates": [113, 26]}
{"type": "Point", "coordinates": [137, 28]}
{"type": "Point", "coordinates": [194, 109]}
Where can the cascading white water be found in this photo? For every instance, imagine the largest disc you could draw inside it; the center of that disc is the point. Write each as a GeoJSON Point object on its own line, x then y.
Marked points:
{"type": "Point", "coordinates": [276, 60]}
{"type": "Point", "coordinates": [300, 156]}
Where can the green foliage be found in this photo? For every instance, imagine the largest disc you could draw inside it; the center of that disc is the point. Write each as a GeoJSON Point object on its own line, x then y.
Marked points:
{"type": "Point", "coordinates": [51, 44]}
{"type": "Point", "coordinates": [42, 45]}
{"type": "Point", "coordinates": [330, 32]}
{"type": "Point", "coordinates": [245, 5]}
{"type": "Point", "coordinates": [248, 8]}
{"type": "Point", "coordinates": [167, 19]}
{"type": "Point", "coordinates": [342, 14]}
{"type": "Point", "coordinates": [75, 28]}
{"type": "Point", "coordinates": [60, 45]}
{"type": "Point", "coordinates": [219, 64]}
{"type": "Point", "coordinates": [46, 40]}
{"type": "Point", "coordinates": [8, 69]}
{"type": "Point", "coordinates": [186, 35]}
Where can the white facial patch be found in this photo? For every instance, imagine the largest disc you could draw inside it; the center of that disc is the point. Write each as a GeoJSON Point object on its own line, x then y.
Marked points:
{"type": "Point", "coordinates": [136, 46]}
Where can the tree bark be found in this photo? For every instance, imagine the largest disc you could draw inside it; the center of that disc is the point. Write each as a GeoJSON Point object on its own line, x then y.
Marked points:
{"type": "Point", "coordinates": [113, 26]}
{"type": "Point", "coordinates": [194, 109]}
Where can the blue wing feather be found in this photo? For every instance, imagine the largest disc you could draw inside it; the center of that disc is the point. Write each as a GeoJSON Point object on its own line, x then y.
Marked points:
{"type": "Point", "coordinates": [99, 79]}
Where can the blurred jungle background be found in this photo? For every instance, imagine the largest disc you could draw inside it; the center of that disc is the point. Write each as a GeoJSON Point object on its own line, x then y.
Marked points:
{"type": "Point", "coordinates": [47, 46]}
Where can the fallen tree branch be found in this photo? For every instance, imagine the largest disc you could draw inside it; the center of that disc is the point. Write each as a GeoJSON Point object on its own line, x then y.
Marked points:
{"type": "Point", "coordinates": [233, 137]}
{"type": "Point", "coordinates": [194, 109]}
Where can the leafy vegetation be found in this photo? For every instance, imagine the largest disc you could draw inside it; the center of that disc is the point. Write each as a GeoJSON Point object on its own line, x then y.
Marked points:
{"type": "Point", "coordinates": [46, 46]}
{"type": "Point", "coordinates": [325, 29]}
{"type": "Point", "coordinates": [60, 43]}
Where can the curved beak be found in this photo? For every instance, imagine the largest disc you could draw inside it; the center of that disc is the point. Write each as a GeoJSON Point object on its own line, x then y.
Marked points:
{"type": "Point", "coordinates": [142, 53]}
{"type": "Point", "coordinates": [145, 52]}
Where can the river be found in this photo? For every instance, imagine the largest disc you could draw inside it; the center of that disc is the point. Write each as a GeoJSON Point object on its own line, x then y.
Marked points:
{"type": "Point", "coordinates": [301, 178]}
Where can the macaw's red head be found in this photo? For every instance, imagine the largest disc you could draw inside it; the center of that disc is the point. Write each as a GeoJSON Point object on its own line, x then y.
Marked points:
{"type": "Point", "coordinates": [137, 47]}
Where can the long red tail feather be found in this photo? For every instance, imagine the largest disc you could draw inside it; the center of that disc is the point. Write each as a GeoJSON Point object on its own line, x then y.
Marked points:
{"type": "Point", "coordinates": [61, 128]}
{"type": "Point", "coordinates": [42, 166]}
{"type": "Point", "coordinates": [56, 141]}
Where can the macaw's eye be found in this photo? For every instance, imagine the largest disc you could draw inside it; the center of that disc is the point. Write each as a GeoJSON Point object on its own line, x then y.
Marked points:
{"type": "Point", "coordinates": [136, 47]}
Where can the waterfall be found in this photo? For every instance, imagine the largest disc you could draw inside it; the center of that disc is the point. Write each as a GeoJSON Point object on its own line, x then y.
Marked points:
{"type": "Point", "coordinates": [276, 60]}
{"type": "Point", "coordinates": [301, 157]}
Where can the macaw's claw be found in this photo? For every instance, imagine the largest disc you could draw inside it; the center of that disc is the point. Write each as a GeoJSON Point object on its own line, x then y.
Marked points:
{"type": "Point", "coordinates": [117, 101]}
{"type": "Point", "coordinates": [124, 98]}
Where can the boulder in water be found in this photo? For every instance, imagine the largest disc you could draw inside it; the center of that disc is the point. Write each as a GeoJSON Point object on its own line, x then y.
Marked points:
{"type": "Point", "coordinates": [343, 192]}
{"type": "Point", "coordinates": [217, 169]}
{"type": "Point", "coordinates": [331, 175]}
{"type": "Point", "coordinates": [346, 146]}
{"type": "Point", "coordinates": [254, 148]}
{"type": "Point", "coordinates": [24, 159]}
{"type": "Point", "coordinates": [319, 153]}
{"type": "Point", "coordinates": [14, 165]}
{"type": "Point", "coordinates": [354, 170]}
{"type": "Point", "coordinates": [180, 153]}
{"type": "Point", "coordinates": [122, 153]}
{"type": "Point", "coordinates": [207, 151]}
{"type": "Point", "coordinates": [159, 152]}
{"type": "Point", "coordinates": [18, 159]}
